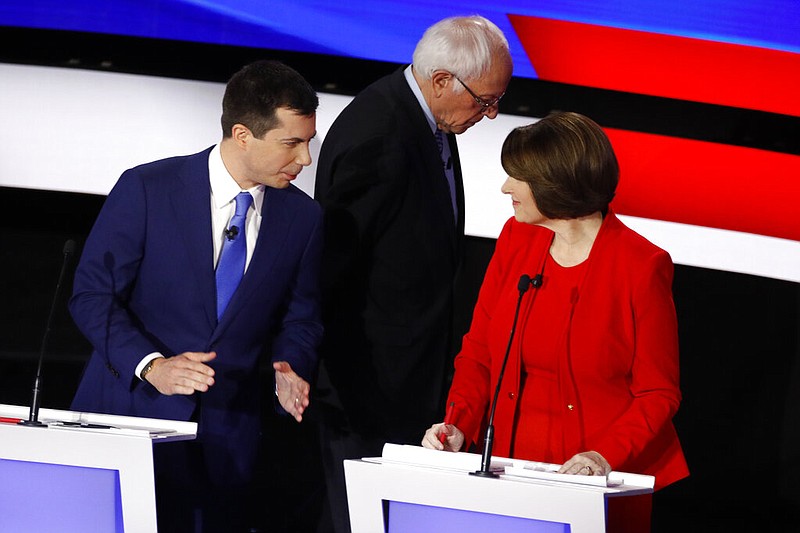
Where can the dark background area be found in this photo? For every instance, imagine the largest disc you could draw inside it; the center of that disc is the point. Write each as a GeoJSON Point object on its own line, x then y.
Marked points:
{"type": "Point", "coordinates": [740, 337]}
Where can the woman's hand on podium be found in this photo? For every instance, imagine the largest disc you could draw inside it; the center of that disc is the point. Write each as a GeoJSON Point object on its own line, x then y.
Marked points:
{"type": "Point", "coordinates": [588, 463]}
{"type": "Point", "coordinates": [453, 439]}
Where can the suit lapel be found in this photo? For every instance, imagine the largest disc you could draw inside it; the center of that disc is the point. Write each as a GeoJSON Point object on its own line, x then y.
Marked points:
{"type": "Point", "coordinates": [432, 160]}
{"type": "Point", "coordinates": [276, 220]}
{"type": "Point", "coordinates": [459, 181]}
{"type": "Point", "coordinates": [191, 202]}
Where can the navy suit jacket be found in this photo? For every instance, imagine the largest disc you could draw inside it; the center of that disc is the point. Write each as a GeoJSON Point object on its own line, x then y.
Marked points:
{"type": "Point", "coordinates": [146, 283]}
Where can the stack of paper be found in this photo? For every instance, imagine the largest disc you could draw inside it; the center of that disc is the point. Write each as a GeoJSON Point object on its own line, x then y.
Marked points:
{"type": "Point", "coordinates": [470, 462]}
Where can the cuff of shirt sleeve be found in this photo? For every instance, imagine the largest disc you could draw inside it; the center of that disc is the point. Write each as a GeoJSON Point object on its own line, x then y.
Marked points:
{"type": "Point", "coordinates": [143, 363]}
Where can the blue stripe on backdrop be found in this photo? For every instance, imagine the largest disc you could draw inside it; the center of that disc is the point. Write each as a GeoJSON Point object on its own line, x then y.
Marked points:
{"type": "Point", "coordinates": [387, 30]}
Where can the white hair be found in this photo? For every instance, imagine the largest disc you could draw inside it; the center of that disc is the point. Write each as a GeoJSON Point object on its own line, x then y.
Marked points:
{"type": "Point", "coordinates": [463, 46]}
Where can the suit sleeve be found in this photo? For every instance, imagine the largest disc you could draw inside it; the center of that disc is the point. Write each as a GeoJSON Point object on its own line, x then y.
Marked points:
{"type": "Point", "coordinates": [106, 275]}
{"type": "Point", "coordinates": [301, 326]}
{"type": "Point", "coordinates": [654, 386]}
{"type": "Point", "coordinates": [472, 384]}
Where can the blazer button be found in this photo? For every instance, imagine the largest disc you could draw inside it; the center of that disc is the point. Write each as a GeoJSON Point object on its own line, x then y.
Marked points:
{"type": "Point", "coordinates": [511, 395]}
{"type": "Point", "coordinates": [112, 370]}
{"type": "Point", "coordinates": [570, 407]}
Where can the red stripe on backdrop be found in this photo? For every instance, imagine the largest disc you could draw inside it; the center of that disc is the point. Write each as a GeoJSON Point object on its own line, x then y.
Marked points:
{"type": "Point", "coordinates": [707, 184]}
{"type": "Point", "coordinates": [661, 65]}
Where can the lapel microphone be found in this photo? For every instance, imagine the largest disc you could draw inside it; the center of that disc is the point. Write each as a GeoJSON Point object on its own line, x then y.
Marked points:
{"type": "Point", "coordinates": [231, 233]}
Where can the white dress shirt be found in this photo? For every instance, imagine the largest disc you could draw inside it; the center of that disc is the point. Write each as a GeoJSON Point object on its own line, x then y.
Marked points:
{"type": "Point", "coordinates": [223, 192]}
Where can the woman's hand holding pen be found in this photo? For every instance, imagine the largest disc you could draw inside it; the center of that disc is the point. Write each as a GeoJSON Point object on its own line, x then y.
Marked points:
{"type": "Point", "coordinates": [443, 437]}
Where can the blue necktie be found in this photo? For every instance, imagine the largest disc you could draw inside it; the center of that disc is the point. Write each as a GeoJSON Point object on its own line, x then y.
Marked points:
{"type": "Point", "coordinates": [230, 268]}
{"type": "Point", "coordinates": [448, 169]}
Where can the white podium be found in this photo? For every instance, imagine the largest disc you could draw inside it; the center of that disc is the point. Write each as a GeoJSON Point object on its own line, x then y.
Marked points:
{"type": "Point", "coordinates": [411, 488]}
{"type": "Point", "coordinates": [83, 472]}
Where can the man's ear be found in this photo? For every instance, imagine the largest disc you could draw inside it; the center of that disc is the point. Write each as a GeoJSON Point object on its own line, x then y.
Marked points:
{"type": "Point", "coordinates": [241, 135]}
{"type": "Point", "coordinates": [440, 81]}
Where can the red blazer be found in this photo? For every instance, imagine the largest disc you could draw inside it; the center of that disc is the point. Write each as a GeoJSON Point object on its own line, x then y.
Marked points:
{"type": "Point", "coordinates": [618, 370]}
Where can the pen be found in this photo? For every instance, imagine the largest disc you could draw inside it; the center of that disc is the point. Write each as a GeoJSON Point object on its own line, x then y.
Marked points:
{"type": "Point", "coordinates": [10, 420]}
{"type": "Point", "coordinates": [81, 425]}
{"type": "Point", "coordinates": [448, 419]}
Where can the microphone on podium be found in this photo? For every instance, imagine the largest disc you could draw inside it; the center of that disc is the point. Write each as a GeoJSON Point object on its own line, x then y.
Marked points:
{"type": "Point", "coordinates": [525, 282]}
{"type": "Point", "coordinates": [33, 417]}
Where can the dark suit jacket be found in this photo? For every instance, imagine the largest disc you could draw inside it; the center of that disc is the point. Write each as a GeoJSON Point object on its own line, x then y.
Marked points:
{"type": "Point", "coordinates": [392, 251]}
{"type": "Point", "coordinates": [145, 283]}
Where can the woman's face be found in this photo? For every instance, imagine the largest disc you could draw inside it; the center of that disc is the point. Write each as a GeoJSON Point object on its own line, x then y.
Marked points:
{"type": "Point", "coordinates": [525, 209]}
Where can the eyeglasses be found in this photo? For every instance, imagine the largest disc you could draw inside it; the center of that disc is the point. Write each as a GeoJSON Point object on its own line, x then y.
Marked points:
{"type": "Point", "coordinates": [485, 104]}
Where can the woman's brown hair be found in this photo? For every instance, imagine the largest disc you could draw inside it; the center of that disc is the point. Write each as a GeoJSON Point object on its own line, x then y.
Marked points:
{"type": "Point", "coordinates": [568, 162]}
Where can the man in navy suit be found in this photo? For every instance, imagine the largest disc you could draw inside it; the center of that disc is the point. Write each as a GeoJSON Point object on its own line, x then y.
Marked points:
{"type": "Point", "coordinates": [145, 295]}
{"type": "Point", "coordinates": [389, 180]}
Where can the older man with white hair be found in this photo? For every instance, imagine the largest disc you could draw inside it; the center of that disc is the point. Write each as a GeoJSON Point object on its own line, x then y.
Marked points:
{"type": "Point", "coordinates": [389, 181]}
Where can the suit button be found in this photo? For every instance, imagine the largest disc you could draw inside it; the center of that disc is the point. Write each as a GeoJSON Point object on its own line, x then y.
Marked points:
{"type": "Point", "coordinates": [112, 370]}
{"type": "Point", "coordinates": [570, 407]}
{"type": "Point", "coordinates": [511, 395]}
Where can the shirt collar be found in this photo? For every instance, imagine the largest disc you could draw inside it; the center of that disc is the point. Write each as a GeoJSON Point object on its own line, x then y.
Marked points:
{"type": "Point", "coordinates": [415, 88]}
{"type": "Point", "coordinates": [224, 188]}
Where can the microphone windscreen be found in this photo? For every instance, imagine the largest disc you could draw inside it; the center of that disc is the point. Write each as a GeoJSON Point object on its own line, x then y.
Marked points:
{"type": "Point", "coordinates": [524, 283]}
{"type": "Point", "coordinates": [69, 247]}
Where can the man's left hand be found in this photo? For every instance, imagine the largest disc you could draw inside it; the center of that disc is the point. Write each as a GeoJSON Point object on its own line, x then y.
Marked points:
{"type": "Point", "coordinates": [292, 390]}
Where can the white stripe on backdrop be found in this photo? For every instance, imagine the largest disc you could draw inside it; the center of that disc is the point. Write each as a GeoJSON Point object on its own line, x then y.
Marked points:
{"type": "Point", "coordinates": [78, 130]}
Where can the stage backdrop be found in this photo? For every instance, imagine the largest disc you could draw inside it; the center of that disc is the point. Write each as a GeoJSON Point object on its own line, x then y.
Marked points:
{"type": "Point", "coordinates": [712, 197]}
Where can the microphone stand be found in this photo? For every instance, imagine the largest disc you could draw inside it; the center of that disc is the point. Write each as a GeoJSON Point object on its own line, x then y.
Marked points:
{"type": "Point", "coordinates": [33, 416]}
{"type": "Point", "coordinates": [486, 459]}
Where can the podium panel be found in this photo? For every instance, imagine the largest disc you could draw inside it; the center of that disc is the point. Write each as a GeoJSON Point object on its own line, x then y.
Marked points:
{"type": "Point", "coordinates": [49, 497]}
{"type": "Point", "coordinates": [81, 472]}
{"type": "Point", "coordinates": [421, 490]}
{"type": "Point", "coordinates": [401, 517]}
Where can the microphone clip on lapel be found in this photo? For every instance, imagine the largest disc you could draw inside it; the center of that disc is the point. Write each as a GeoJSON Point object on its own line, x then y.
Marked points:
{"type": "Point", "coordinates": [231, 233]}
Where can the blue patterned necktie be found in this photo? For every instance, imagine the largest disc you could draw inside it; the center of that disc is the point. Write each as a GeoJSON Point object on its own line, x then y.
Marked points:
{"type": "Point", "coordinates": [448, 169]}
{"type": "Point", "coordinates": [230, 268]}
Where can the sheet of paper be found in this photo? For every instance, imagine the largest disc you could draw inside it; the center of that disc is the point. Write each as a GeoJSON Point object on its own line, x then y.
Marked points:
{"type": "Point", "coordinates": [419, 456]}
{"type": "Point", "coordinates": [469, 462]}
{"type": "Point", "coordinates": [553, 475]}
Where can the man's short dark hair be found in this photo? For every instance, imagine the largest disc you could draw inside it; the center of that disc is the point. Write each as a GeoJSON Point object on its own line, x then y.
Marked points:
{"type": "Point", "coordinates": [255, 92]}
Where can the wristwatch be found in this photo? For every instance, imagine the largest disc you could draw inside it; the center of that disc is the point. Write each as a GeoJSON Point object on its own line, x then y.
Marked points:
{"type": "Point", "coordinates": [147, 368]}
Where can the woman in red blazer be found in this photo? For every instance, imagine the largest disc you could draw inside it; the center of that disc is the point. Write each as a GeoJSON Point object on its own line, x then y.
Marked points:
{"type": "Point", "coordinates": [592, 375]}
